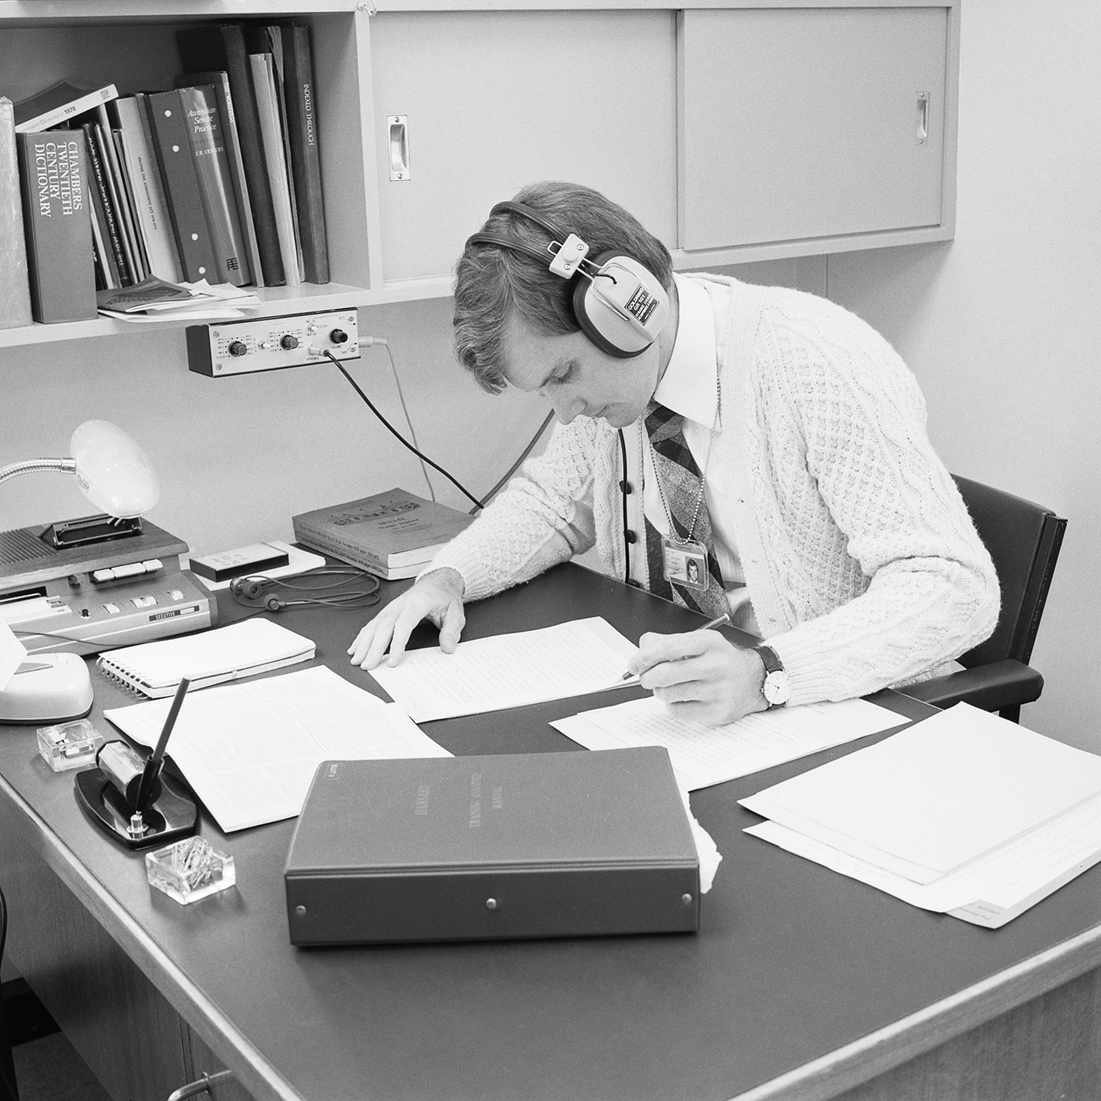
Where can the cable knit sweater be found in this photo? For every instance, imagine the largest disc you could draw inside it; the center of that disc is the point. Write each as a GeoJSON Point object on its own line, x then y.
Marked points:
{"type": "Point", "coordinates": [864, 566]}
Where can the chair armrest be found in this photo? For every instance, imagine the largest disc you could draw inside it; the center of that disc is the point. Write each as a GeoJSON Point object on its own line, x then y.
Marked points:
{"type": "Point", "coordinates": [991, 687]}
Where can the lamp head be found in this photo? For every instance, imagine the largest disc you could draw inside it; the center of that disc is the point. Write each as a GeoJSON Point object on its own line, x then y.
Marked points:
{"type": "Point", "coordinates": [114, 473]}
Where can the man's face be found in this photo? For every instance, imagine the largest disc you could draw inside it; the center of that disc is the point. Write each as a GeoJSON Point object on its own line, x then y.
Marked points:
{"type": "Point", "coordinates": [577, 378]}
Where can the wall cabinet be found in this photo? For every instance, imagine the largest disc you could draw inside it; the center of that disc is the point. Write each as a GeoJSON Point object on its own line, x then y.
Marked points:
{"type": "Point", "coordinates": [738, 130]}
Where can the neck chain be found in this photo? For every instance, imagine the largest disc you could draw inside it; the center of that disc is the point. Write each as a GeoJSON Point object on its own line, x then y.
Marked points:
{"type": "Point", "coordinates": [657, 475]}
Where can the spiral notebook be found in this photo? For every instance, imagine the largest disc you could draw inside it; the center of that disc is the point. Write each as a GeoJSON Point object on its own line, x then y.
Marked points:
{"type": "Point", "coordinates": [210, 657]}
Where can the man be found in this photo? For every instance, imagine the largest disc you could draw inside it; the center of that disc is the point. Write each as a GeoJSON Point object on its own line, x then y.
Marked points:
{"type": "Point", "coordinates": [766, 432]}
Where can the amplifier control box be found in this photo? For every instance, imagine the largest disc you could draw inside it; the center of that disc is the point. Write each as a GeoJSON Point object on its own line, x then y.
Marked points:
{"type": "Point", "coordinates": [272, 343]}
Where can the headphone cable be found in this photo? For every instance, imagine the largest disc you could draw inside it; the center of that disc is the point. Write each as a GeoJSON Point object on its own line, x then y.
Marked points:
{"type": "Point", "coordinates": [397, 435]}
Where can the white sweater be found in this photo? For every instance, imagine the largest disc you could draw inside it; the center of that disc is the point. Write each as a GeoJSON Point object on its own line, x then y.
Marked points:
{"type": "Point", "coordinates": [865, 568]}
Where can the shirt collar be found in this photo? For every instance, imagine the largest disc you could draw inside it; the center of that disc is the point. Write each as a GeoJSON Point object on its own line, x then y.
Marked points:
{"type": "Point", "coordinates": [688, 386]}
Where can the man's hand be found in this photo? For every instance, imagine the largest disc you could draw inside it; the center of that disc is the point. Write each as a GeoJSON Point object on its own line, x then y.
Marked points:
{"type": "Point", "coordinates": [437, 596]}
{"type": "Point", "coordinates": [700, 676]}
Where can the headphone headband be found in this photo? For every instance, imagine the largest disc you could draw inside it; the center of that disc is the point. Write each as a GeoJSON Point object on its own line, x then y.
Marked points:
{"type": "Point", "coordinates": [622, 319]}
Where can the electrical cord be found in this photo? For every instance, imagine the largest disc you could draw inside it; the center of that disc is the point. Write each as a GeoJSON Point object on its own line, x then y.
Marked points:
{"type": "Point", "coordinates": [415, 449]}
{"type": "Point", "coordinates": [322, 586]}
{"type": "Point", "coordinates": [367, 341]}
{"type": "Point", "coordinates": [397, 435]}
{"type": "Point", "coordinates": [523, 455]}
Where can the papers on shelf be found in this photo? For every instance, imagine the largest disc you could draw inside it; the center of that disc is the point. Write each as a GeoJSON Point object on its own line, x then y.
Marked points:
{"type": "Point", "coordinates": [705, 755]}
{"type": "Point", "coordinates": [250, 750]}
{"type": "Point", "coordinates": [963, 813]}
{"type": "Point", "coordinates": [155, 299]}
{"type": "Point", "coordinates": [491, 674]}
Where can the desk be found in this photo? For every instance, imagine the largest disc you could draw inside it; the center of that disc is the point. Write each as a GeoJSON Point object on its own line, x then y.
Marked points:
{"type": "Point", "coordinates": [800, 984]}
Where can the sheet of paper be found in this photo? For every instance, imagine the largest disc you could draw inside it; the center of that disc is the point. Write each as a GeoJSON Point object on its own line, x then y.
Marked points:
{"type": "Point", "coordinates": [937, 794]}
{"type": "Point", "coordinates": [705, 755]}
{"type": "Point", "coordinates": [990, 890]}
{"type": "Point", "coordinates": [491, 674]}
{"type": "Point", "coordinates": [12, 653]}
{"type": "Point", "coordinates": [250, 750]}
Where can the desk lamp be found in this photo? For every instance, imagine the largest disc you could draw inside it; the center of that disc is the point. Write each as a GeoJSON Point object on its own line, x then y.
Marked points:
{"type": "Point", "coordinates": [117, 477]}
{"type": "Point", "coordinates": [114, 473]}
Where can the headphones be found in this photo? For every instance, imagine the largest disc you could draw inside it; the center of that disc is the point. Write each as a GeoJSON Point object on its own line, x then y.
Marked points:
{"type": "Point", "coordinates": [619, 304]}
{"type": "Point", "coordinates": [257, 591]}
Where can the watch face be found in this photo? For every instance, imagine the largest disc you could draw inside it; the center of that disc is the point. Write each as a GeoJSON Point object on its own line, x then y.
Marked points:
{"type": "Point", "coordinates": [776, 688]}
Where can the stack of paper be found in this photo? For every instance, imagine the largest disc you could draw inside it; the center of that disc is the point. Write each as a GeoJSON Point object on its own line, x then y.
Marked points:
{"type": "Point", "coordinates": [250, 750]}
{"type": "Point", "coordinates": [157, 300]}
{"type": "Point", "coordinates": [964, 813]}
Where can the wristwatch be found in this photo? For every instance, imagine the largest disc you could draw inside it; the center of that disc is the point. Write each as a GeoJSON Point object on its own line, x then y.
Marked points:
{"type": "Point", "coordinates": [776, 688]}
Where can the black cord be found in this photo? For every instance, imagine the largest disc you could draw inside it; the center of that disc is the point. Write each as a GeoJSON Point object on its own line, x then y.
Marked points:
{"type": "Point", "coordinates": [400, 438]}
{"type": "Point", "coordinates": [326, 586]}
{"type": "Point", "coordinates": [626, 527]}
{"type": "Point", "coordinates": [523, 455]}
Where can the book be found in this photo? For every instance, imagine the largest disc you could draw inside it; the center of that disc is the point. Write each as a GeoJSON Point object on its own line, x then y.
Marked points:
{"type": "Point", "coordinates": [15, 286]}
{"type": "Point", "coordinates": [209, 657]}
{"type": "Point", "coordinates": [120, 195]}
{"type": "Point", "coordinates": [58, 226]}
{"type": "Point", "coordinates": [271, 127]}
{"type": "Point", "coordinates": [59, 103]}
{"type": "Point", "coordinates": [208, 147]}
{"type": "Point", "coordinates": [561, 844]}
{"type": "Point", "coordinates": [150, 204]}
{"type": "Point", "coordinates": [302, 132]}
{"type": "Point", "coordinates": [105, 212]}
{"type": "Point", "coordinates": [384, 533]}
{"type": "Point", "coordinates": [220, 47]}
{"type": "Point", "coordinates": [228, 117]}
{"type": "Point", "coordinates": [172, 144]}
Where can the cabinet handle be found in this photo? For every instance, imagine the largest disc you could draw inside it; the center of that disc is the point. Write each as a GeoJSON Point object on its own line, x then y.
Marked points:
{"type": "Point", "coordinates": [922, 117]}
{"type": "Point", "coordinates": [398, 142]}
{"type": "Point", "coordinates": [205, 1084]}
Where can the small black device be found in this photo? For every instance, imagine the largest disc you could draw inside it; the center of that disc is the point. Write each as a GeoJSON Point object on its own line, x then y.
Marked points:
{"type": "Point", "coordinates": [619, 304]}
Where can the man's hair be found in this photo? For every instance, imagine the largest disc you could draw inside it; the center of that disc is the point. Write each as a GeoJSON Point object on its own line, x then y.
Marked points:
{"type": "Point", "coordinates": [493, 283]}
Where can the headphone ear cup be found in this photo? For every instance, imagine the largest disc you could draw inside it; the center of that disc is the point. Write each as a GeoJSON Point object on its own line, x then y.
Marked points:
{"type": "Point", "coordinates": [635, 285]}
{"type": "Point", "coordinates": [273, 603]}
{"type": "Point", "coordinates": [581, 289]}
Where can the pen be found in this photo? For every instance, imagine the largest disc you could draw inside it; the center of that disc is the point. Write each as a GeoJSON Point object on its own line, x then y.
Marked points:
{"type": "Point", "coordinates": [153, 766]}
{"type": "Point", "coordinates": [718, 621]}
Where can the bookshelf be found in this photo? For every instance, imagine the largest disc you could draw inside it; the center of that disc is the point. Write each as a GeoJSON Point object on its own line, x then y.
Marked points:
{"type": "Point", "coordinates": [620, 94]}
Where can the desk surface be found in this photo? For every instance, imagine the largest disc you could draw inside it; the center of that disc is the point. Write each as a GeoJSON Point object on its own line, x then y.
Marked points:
{"type": "Point", "coordinates": [800, 982]}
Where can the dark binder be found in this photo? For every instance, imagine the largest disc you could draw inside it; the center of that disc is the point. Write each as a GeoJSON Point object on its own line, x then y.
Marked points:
{"type": "Point", "coordinates": [301, 99]}
{"type": "Point", "coordinates": [221, 46]}
{"type": "Point", "coordinates": [181, 185]}
{"type": "Point", "coordinates": [206, 131]}
{"type": "Point", "coordinates": [504, 846]}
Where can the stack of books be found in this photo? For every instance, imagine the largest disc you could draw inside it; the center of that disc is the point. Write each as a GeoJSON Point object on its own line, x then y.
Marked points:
{"type": "Point", "coordinates": [394, 534]}
{"type": "Point", "coordinates": [215, 178]}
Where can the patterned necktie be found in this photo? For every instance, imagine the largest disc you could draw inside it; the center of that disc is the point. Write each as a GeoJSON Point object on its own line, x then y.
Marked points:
{"type": "Point", "coordinates": [682, 491]}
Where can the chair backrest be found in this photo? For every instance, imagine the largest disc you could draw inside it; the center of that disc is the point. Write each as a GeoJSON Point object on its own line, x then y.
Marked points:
{"type": "Point", "coordinates": [1023, 539]}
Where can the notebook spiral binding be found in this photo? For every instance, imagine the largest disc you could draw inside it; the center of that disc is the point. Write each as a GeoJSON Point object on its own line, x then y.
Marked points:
{"type": "Point", "coordinates": [116, 679]}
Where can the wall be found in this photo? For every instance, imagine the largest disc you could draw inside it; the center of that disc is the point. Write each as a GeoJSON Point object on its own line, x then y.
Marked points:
{"type": "Point", "coordinates": [1003, 324]}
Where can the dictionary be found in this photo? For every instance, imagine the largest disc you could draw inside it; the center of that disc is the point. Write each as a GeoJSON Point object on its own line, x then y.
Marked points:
{"type": "Point", "coordinates": [58, 225]}
{"type": "Point", "coordinates": [492, 847]}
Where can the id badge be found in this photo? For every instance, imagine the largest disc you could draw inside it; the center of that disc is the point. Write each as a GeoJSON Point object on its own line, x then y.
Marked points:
{"type": "Point", "coordinates": [685, 562]}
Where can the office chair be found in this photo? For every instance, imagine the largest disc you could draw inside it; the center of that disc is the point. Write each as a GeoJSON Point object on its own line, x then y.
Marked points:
{"type": "Point", "coordinates": [1023, 540]}
{"type": "Point", "coordinates": [8, 1091]}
